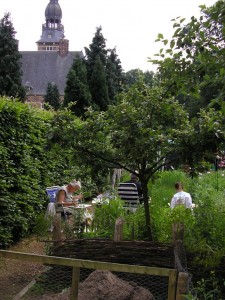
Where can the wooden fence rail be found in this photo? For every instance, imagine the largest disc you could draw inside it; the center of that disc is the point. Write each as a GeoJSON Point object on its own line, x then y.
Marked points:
{"type": "Point", "coordinates": [88, 264]}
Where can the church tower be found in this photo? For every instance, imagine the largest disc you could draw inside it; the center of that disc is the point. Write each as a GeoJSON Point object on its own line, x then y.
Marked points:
{"type": "Point", "coordinates": [53, 60]}
{"type": "Point", "coordinates": [52, 38]}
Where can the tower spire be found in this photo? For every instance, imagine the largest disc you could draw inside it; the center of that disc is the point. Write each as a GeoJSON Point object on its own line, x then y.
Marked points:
{"type": "Point", "coordinates": [52, 30]}
{"type": "Point", "coordinates": [53, 15]}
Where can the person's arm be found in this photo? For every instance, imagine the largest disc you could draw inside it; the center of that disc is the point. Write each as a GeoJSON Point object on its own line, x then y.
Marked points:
{"type": "Point", "coordinates": [188, 201]}
{"type": "Point", "coordinates": [172, 203]}
{"type": "Point", "coordinates": [61, 196]}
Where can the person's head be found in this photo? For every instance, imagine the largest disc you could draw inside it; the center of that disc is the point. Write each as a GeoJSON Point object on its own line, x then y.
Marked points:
{"type": "Point", "coordinates": [178, 186]}
{"type": "Point", "coordinates": [133, 177]}
{"type": "Point", "coordinates": [74, 186]}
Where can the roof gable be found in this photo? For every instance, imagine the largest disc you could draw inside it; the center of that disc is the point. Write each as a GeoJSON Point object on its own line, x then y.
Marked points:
{"type": "Point", "coordinates": [41, 67]}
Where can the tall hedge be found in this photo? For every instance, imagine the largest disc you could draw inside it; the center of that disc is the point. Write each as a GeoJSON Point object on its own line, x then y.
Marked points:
{"type": "Point", "coordinates": [23, 166]}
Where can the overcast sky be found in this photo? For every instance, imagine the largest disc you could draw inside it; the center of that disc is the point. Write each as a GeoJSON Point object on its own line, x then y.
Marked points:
{"type": "Point", "coordinates": [129, 25]}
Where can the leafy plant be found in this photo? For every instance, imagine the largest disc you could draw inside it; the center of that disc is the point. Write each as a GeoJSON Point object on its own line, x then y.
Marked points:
{"type": "Point", "coordinates": [42, 225]}
{"type": "Point", "coordinates": [75, 224]}
{"type": "Point", "coordinates": [105, 216]}
{"type": "Point", "coordinates": [134, 228]}
{"type": "Point", "coordinates": [206, 289]}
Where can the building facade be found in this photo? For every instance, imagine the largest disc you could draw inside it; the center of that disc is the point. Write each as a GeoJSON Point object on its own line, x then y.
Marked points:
{"type": "Point", "coordinates": [52, 60]}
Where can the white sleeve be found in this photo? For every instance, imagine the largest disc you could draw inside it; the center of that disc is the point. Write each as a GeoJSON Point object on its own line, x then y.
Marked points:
{"type": "Point", "coordinates": [188, 201]}
{"type": "Point", "coordinates": [172, 203]}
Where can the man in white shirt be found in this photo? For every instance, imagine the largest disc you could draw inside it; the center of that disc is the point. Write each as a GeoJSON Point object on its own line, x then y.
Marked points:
{"type": "Point", "coordinates": [181, 197]}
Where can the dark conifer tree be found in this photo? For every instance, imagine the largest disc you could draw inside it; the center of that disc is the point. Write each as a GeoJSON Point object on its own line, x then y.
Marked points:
{"type": "Point", "coordinates": [10, 64]}
{"type": "Point", "coordinates": [110, 68]}
{"type": "Point", "coordinates": [114, 75]}
{"type": "Point", "coordinates": [95, 80]}
{"type": "Point", "coordinates": [77, 89]}
{"type": "Point", "coordinates": [52, 96]}
{"type": "Point", "coordinates": [96, 48]}
{"type": "Point", "coordinates": [98, 85]}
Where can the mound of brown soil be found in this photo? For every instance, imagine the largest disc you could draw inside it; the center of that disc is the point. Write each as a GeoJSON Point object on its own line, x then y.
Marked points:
{"type": "Point", "coordinates": [101, 285]}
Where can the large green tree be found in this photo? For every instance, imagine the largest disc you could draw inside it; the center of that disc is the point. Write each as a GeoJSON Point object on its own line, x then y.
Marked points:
{"type": "Point", "coordinates": [96, 49]}
{"type": "Point", "coordinates": [105, 62]}
{"type": "Point", "coordinates": [95, 80]}
{"type": "Point", "coordinates": [137, 134]}
{"type": "Point", "coordinates": [10, 65]}
{"type": "Point", "coordinates": [142, 133]}
{"type": "Point", "coordinates": [192, 63]}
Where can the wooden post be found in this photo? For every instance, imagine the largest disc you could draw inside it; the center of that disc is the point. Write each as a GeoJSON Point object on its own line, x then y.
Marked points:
{"type": "Point", "coordinates": [57, 233]}
{"type": "Point", "coordinates": [75, 283]}
{"type": "Point", "coordinates": [182, 286]}
{"type": "Point", "coordinates": [118, 234]}
{"type": "Point", "coordinates": [172, 284]}
{"type": "Point", "coordinates": [178, 232]}
{"type": "Point", "coordinates": [180, 256]}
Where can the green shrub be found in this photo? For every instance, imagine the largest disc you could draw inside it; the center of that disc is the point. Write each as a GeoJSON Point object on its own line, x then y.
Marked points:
{"type": "Point", "coordinates": [105, 216]}
{"type": "Point", "coordinates": [134, 227]}
{"type": "Point", "coordinates": [207, 289]}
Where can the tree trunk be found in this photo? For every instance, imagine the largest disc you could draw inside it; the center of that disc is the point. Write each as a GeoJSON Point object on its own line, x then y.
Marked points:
{"type": "Point", "coordinates": [147, 211]}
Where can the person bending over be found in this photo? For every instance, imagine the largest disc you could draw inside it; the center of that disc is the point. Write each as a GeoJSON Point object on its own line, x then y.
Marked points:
{"type": "Point", "coordinates": [65, 197]}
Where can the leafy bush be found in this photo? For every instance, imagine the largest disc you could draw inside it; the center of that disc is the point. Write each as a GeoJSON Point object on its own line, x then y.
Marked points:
{"type": "Point", "coordinates": [105, 216]}
{"type": "Point", "coordinates": [135, 225]}
{"type": "Point", "coordinates": [207, 239]}
{"type": "Point", "coordinates": [207, 289]}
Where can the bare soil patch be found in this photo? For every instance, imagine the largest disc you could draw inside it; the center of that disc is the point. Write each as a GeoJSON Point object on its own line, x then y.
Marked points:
{"type": "Point", "coordinates": [16, 274]}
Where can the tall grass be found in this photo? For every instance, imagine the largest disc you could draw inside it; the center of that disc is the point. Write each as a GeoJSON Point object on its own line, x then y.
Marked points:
{"type": "Point", "coordinates": [207, 227]}
{"type": "Point", "coordinates": [162, 191]}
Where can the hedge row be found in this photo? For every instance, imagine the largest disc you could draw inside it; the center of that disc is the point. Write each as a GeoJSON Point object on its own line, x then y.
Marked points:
{"type": "Point", "coordinates": [26, 167]}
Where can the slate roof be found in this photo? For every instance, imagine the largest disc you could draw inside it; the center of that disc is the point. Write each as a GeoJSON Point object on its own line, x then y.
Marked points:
{"type": "Point", "coordinates": [55, 34]}
{"type": "Point", "coordinates": [41, 67]}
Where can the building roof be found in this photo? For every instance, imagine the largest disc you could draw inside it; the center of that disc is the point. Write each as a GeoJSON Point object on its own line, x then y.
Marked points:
{"type": "Point", "coordinates": [41, 67]}
{"type": "Point", "coordinates": [51, 36]}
